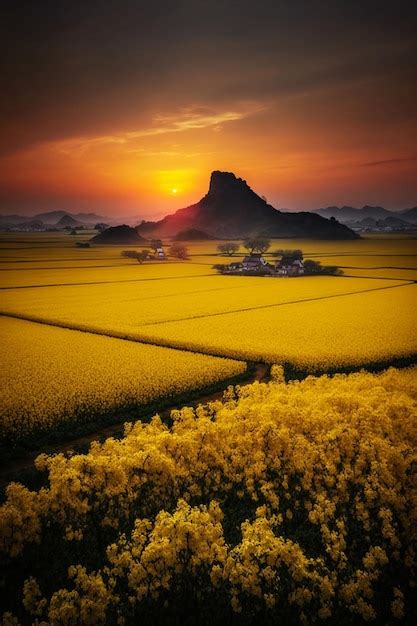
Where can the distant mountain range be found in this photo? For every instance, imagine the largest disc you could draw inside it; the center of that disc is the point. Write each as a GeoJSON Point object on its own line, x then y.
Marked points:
{"type": "Point", "coordinates": [347, 214]}
{"type": "Point", "coordinates": [52, 218]}
{"type": "Point", "coordinates": [232, 209]}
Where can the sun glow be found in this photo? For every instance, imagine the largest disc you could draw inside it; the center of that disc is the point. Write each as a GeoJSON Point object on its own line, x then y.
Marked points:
{"type": "Point", "coordinates": [174, 191]}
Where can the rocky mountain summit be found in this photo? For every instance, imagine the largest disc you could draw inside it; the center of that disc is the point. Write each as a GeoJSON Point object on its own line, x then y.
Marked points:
{"type": "Point", "coordinates": [232, 209]}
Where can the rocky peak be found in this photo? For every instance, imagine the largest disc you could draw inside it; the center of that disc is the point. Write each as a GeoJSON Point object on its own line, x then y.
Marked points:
{"type": "Point", "coordinates": [221, 182]}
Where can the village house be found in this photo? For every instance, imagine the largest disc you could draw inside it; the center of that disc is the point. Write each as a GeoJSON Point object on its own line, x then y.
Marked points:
{"type": "Point", "coordinates": [160, 253]}
{"type": "Point", "coordinates": [255, 263]}
{"type": "Point", "coordinates": [289, 266]}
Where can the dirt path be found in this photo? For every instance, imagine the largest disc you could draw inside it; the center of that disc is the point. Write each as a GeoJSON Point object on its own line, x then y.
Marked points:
{"type": "Point", "coordinates": [25, 461]}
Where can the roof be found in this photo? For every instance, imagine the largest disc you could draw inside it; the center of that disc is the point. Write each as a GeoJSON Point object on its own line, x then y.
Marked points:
{"type": "Point", "coordinates": [253, 258]}
{"type": "Point", "coordinates": [289, 260]}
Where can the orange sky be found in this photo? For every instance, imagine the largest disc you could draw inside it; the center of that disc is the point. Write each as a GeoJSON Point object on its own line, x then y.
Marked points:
{"type": "Point", "coordinates": [310, 113]}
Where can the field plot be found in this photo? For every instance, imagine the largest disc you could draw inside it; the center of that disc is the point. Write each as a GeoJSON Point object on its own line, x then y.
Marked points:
{"type": "Point", "coordinates": [329, 333]}
{"type": "Point", "coordinates": [392, 273]}
{"type": "Point", "coordinates": [122, 308]}
{"type": "Point", "coordinates": [52, 377]}
{"type": "Point", "coordinates": [125, 272]}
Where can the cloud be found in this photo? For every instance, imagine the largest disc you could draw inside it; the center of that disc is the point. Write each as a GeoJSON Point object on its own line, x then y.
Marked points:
{"type": "Point", "coordinates": [189, 119]}
{"type": "Point", "coordinates": [411, 159]}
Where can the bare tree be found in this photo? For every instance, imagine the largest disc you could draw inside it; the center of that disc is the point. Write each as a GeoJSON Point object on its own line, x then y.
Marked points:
{"type": "Point", "coordinates": [178, 251]}
{"type": "Point", "coordinates": [228, 248]}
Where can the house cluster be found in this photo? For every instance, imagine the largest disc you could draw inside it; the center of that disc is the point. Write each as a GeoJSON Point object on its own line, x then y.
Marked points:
{"type": "Point", "coordinates": [256, 264]}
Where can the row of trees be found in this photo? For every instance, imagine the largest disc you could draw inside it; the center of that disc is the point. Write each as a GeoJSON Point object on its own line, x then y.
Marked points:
{"type": "Point", "coordinates": [257, 245]}
{"type": "Point", "coordinates": [177, 251]}
{"type": "Point", "coordinates": [252, 245]}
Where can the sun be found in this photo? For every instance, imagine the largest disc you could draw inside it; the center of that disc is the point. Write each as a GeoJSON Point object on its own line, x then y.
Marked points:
{"type": "Point", "coordinates": [174, 190]}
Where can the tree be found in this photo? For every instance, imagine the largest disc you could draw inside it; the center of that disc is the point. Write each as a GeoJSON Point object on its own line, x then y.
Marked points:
{"type": "Point", "coordinates": [178, 251]}
{"type": "Point", "coordinates": [294, 254]}
{"type": "Point", "coordinates": [228, 248]}
{"type": "Point", "coordinates": [257, 245]}
{"type": "Point", "coordinates": [155, 244]}
{"type": "Point", "coordinates": [134, 254]}
{"type": "Point", "coordinates": [101, 226]}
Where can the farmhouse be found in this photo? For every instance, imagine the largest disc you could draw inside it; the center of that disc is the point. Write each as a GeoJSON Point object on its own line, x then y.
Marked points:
{"type": "Point", "coordinates": [289, 266]}
{"type": "Point", "coordinates": [254, 263]}
{"type": "Point", "coordinates": [160, 253]}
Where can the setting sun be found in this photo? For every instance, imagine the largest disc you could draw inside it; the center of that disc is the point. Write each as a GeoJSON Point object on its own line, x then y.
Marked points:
{"type": "Point", "coordinates": [174, 190]}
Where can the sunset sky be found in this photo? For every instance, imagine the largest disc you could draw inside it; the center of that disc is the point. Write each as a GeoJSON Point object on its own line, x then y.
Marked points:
{"type": "Point", "coordinates": [125, 107]}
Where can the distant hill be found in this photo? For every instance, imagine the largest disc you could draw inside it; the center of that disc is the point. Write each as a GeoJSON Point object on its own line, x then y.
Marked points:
{"type": "Point", "coordinates": [67, 220]}
{"type": "Point", "coordinates": [51, 218]}
{"type": "Point", "coordinates": [192, 234]}
{"type": "Point", "coordinates": [35, 224]}
{"type": "Point", "coordinates": [348, 214]}
{"type": "Point", "coordinates": [409, 214]}
{"type": "Point", "coordinates": [232, 209]}
{"type": "Point", "coordinates": [391, 222]}
{"type": "Point", "coordinates": [118, 235]}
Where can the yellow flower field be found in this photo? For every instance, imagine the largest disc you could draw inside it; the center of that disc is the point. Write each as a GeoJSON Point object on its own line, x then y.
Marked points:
{"type": "Point", "coordinates": [330, 333]}
{"type": "Point", "coordinates": [125, 272]}
{"type": "Point", "coordinates": [51, 377]}
{"type": "Point", "coordinates": [125, 307]}
{"type": "Point", "coordinates": [289, 503]}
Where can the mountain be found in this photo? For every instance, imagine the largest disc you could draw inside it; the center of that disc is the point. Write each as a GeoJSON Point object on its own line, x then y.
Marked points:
{"type": "Point", "coordinates": [349, 214]}
{"type": "Point", "coordinates": [67, 220]}
{"type": "Point", "coordinates": [53, 217]}
{"type": "Point", "coordinates": [192, 234]}
{"type": "Point", "coordinates": [118, 235]}
{"type": "Point", "coordinates": [232, 209]}
{"type": "Point", "coordinates": [409, 214]}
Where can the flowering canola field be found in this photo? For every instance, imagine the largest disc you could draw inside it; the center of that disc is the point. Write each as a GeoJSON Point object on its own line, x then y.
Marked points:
{"type": "Point", "coordinates": [124, 307]}
{"type": "Point", "coordinates": [287, 503]}
{"type": "Point", "coordinates": [309, 322]}
{"type": "Point", "coordinates": [52, 378]}
{"type": "Point", "coordinates": [316, 335]}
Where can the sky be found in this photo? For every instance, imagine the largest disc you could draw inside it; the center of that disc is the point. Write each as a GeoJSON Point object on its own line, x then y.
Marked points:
{"type": "Point", "coordinates": [125, 107]}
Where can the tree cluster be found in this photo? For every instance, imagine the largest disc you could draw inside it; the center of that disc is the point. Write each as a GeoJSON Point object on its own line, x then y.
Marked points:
{"type": "Point", "coordinates": [257, 244]}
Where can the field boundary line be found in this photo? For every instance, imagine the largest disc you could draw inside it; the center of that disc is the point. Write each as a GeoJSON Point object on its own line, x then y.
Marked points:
{"type": "Point", "coordinates": [115, 335]}
{"type": "Point", "coordinates": [269, 306]}
{"type": "Point", "coordinates": [104, 282]}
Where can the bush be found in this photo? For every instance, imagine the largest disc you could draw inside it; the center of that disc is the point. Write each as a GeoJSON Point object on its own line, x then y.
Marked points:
{"type": "Point", "coordinates": [134, 254]}
{"type": "Point", "coordinates": [312, 268]}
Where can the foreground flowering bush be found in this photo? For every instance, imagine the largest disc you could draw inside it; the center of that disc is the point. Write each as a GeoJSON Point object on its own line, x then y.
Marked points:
{"type": "Point", "coordinates": [282, 504]}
